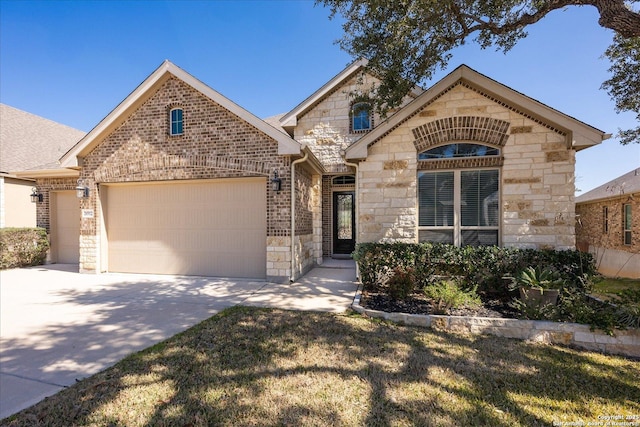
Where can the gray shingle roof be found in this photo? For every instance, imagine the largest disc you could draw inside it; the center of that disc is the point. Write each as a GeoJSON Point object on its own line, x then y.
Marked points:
{"type": "Point", "coordinates": [629, 183]}
{"type": "Point", "coordinates": [30, 142]}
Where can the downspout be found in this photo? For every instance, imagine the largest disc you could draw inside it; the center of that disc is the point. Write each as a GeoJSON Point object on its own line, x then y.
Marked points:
{"type": "Point", "coordinates": [293, 212]}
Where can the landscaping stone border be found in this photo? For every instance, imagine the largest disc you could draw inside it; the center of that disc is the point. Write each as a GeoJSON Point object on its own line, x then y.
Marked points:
{"type": "Point", "coordinates": [625, 343]}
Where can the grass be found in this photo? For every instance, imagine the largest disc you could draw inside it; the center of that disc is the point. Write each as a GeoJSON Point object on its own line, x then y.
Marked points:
{"type": "Point", "coordinates": [608, 287]}
{"type": "Point", "coordinates": [264, 367]}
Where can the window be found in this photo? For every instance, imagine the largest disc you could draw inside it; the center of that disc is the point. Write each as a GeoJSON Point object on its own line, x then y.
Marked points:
{"type": "Point", "coordinates": [361, 117]}
{"type": "Point", "coordinates": [176, 121]}
{"type": "Point", "coordinates": [459, 207]}
{"type": "Point", "coordinates": [344, 180]}
{"type": "Point", "coordinates": [605, 220]}
{"type": "Point", "coordinates": [626, 220]}
{"type": "Point", "coordinates": [458, 150]}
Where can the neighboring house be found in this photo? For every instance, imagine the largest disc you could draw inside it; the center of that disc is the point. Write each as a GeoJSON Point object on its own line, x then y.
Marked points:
{"type": "Point", "coordinates": [609, 225]}
{"type": "Point", "coordinates": [179, 179]}
{"type": "Point", "coordinates": [27, 142]}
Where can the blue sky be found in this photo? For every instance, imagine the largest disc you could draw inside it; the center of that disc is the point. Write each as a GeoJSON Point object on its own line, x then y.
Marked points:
{"type": "Point", "coordinates": [74, 61]}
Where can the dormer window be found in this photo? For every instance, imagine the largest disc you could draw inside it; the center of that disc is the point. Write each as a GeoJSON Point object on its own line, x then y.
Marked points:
{"type": "Point", "coordinates": [361, 120]}
{"type": "Point", "coordinates": [176, 121]}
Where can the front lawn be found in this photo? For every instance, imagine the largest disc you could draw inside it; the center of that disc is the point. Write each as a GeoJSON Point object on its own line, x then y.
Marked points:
{"type": "Point", "coordinates": [608, 285]}
{"type": "Point", "coordinates": [263, 367]}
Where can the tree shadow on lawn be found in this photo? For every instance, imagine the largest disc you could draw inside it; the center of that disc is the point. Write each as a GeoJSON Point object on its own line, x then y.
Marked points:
{"type": "Point", "coordinates": [249, 366]}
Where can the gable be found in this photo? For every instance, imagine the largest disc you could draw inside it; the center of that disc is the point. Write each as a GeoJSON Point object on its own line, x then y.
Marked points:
{"type": "Point", "coordinates": [151, 85]}
{"type": "Point", "coordinates": [479, 95]}
{"type": "Point", "coordinates": [141, 146]}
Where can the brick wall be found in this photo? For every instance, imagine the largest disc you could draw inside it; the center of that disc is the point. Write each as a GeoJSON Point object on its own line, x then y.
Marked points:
{"type": "Point", "coordinates": [45, 187]}
{"type": "Point", "coordinates": [215, 144]}
{"type": "Point", "coordinates": [613, 257]}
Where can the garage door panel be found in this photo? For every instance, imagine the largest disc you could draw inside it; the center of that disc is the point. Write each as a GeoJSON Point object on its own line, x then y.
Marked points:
{"type": "Point", "coordinates": [214, 228]}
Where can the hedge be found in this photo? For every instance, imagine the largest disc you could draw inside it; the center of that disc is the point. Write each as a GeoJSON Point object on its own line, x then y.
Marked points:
{"type": "Point", "coordinates": [484, 266]}
{"type": "Point", "coordinates": [22, 247]}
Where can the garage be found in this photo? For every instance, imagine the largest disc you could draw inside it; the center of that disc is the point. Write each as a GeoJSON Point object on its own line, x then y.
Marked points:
{"type": "Point", "coordinates": [65, 227]}
{"type": "Point", "coordinates": [201, 228]}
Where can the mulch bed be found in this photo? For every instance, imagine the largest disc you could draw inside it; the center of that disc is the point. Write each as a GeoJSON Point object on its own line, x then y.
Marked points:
{"type": "Point", "coordinates": [417, 303]}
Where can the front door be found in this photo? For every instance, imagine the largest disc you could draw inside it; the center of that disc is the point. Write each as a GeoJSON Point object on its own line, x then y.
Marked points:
{"type": "Point", "coordinates": [344, 222]}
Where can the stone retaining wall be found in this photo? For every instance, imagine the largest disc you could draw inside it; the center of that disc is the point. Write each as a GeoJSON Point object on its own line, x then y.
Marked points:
{"type": "Point", "coordinates": [626, 343]}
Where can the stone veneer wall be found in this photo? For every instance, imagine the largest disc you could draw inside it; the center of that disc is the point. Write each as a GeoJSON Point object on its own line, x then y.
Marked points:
{"type": "Point", "coordinates": [537, 176]}
{"type": "Point", "coordinates": [326, 126]}
{"type": "Point", "coordinates": [613, 257]}
{"type": "Point", "coordinates": [308, 237]}
{"type": "Point", "coordinates": [625, 343]}
{"type": "Point", "coordinates": [215, 144]}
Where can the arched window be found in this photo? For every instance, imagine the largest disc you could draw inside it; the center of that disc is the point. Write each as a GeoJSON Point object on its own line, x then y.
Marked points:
{"type": "Point", "coordinates": [361, 120]}
{"type": "Point", "coordinates": [458, 150]}
{"type": "Point", "coordinates": [460, 206]}
{"type": "Point", "coordinates": [176, 121]}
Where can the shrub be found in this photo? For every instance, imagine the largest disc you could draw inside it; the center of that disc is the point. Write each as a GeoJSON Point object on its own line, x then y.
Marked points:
{"type": "Point", "coordinates": [402, 283]}
{"type": "Point", "coordinates": [483, 266]}
{"type": "Point", "coordinates": [22, 247]}
{"type": "Point", "coordinates": [628, 308]}
{"type": "Point", "coordinates": [447, 294]}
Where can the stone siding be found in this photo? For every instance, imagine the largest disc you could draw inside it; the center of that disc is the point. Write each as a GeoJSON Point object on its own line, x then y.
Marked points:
{"type": "Point", "coordinates": [537, 173]}
{"type": "Point", "coordinates": [626, 343]}
{"type": "Point", "coordinates": [215, 144]}
{"type": "Point", "coordinates": [326, 127]}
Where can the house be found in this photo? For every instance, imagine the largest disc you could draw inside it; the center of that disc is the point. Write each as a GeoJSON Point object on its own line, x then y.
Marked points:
{"type": "Point", "coordinates": [28, 143]}
{"type": "Point", "coordinates": [609, 225]}
{"type": "Point", "coordinates": [179, 179]}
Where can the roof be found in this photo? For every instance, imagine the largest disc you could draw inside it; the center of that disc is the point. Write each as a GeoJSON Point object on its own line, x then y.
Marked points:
{"type": "Point", "coordinates": [579, 134]}
{"type": "Point", "coordinates": [290, 119]}
{"type": "Point", "coordinates": [629, 183]}
{"type": "Point", "coordinates": [28, 141]}
{"type": "Point", "coordinates": [286, 145]}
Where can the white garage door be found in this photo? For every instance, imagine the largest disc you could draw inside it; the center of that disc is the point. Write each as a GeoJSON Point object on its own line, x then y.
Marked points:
{"type": "Point", "coordinates": [65, 227]}
{"type": "Point", "coordinates": [204, 228]}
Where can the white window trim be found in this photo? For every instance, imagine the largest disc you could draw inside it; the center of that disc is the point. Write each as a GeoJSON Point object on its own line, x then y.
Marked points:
{"type": "Point", "coordinates": [457, 209]}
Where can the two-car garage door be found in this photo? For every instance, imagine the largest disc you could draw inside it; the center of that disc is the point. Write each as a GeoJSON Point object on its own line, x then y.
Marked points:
{"type": "Point", "coordinates": [204, 228]}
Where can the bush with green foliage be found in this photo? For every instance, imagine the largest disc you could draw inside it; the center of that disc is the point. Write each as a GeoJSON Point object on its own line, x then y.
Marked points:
{"type": "Point", "coordinates": [402, 283]}
{"type": "Point", "coordinates": [447, 294]}
{"type": "Point", "coordinates": [22, 247]}
{"type": "Point", "coordinates": [484, 266]}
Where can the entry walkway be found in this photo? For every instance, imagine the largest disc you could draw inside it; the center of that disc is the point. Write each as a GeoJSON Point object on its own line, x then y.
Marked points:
{"type": "Point", "coordinates": [57, 325]}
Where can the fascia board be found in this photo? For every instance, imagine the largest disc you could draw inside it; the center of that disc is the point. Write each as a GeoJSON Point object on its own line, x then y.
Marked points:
{"type": "Point", "coordinates": [579, 134]}
{"type": "Point", "coordinates": [70, 158]}
{"type": "Point", "coordinates": [286, 145]}
{"type": "Point", "coordinates": [48, 173]}
{"type": "Point", "coordinates": [291, 118]}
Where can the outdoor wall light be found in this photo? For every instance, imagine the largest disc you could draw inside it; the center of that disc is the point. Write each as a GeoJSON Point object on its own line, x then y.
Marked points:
{"type": "Point", "coordinates": [82, 191]}
{"type": "Point", "coordinates": [276, 182]}
{"type": "Point", "coordinates": [35, 196]}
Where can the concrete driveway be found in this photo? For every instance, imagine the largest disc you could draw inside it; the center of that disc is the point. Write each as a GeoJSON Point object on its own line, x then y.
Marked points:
{"type": "Point", "coordinates": [57, 326]}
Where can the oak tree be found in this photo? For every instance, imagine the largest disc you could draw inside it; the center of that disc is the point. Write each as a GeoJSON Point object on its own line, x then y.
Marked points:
{"type": "Point", "coordinates": [406, 41]}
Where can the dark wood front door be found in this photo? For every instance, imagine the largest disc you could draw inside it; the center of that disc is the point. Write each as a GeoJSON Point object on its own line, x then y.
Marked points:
{"type": "Point", "coordinates": [344, 222]}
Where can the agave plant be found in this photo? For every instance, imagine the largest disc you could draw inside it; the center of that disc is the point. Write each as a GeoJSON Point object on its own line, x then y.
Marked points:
{"type": "Point", "coordinates": [536, 278]}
